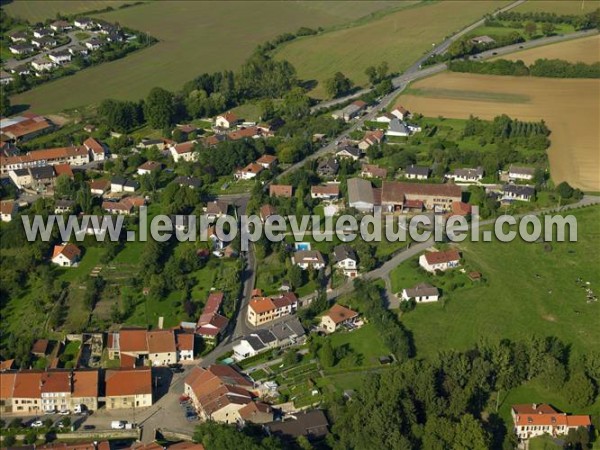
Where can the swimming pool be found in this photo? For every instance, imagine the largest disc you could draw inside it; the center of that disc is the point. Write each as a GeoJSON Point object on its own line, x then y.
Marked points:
{"type": "Point", "coordinates": [302, 246]}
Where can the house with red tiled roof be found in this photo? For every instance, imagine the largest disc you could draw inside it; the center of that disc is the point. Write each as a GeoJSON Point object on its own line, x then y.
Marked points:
{"type": "Point", "coordinates": [326, 192]}
{"type": "Point", "coordinates": [128, 388]}
{"type": "Point", "coordinates": [262, 310]}
{"type": "Point", "coordinates": [371, 138]}
{"type": "Point", "coordinates": [99, 187]}
{"type": "Point", "coordinates": [226, 120]}
{"type": "Point", "coordinates": [66, 255]}
{"type": "Point", "coordinates": [219, 392]}
{"type": "Point", "coordinates": [267, 161]}
{"type": "Point", "coordinates": [8, 210]}
{"type": "Point", "coordinates": [183, 151]}
{"type": "Point", "coordinates": [211, 324]}
{"type": "Point", "coordinates": [148, 167]}
{"type": "Point", "coordinates": [266, 211]}
{"type": "Point", "coordinates": [531, 420]}
{"type": "Point", "coordinates": [96, 149]}
{"type": "Point", "coordinates": [185, 346]}
{"type": "Point", "coordinates": [395, 194]}
{"type": "Point", "coordinates": [400, 112]}
{"type": "Point", "coordinates": [442, 260]}
{"type": "Point", "coordinates": [162, 349]}
{"type": "Point", "coordinates": [249, 172]}
{"type": "Point", "coordinates": [337, 317]}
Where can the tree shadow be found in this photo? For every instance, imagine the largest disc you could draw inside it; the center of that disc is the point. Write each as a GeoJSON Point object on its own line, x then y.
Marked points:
{"type": "Point", "coordinates": [19, 108]}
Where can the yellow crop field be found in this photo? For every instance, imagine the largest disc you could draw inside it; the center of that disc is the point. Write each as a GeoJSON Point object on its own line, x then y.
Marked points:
{"type": "Point", "coordinates": [399, 38]}
{"type": "Point", "coordinates": [585, 50]}
{"type": "Point", "coordinates": [559, 6]}
{"type": "Point", "coordinates": [570, 108]}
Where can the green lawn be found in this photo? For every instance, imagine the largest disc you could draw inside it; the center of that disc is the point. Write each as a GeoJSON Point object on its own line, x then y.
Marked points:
{"type": "Point", "coordinates": [364, 342]}
{"type": "Point", "coordinates": [514, 302]}
{"type": "Point", "coordinates": [36, 11]}
{"type": "Point", "coordinates": [560, 6]}
{"type": "Point", "coordinates": [543, 443]}
{"type": "Point", "coordinates": [399, 38]}
{"type": "Point", "coordinates": [198, 37]}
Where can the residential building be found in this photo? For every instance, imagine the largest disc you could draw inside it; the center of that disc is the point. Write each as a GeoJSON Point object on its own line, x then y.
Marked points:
{"type": "Point", "coordinates": [443, 260]}
{"type": "Point", "coordinates": [385, 118]}
{"type": "Point", "coordinates": [413, 172]}
{"type": "Point", "coordinates": [128, 388]}
{"type": "Point", "coordinates": [371, 138]}
{"type": "Point", "coordinates": [466, 175]}
{"type": "Point", "coordinates": [350, 152]}
{"type": "Point", "coordinates": [311, 424]}
{"type": "Point", "coordinates": [337, 317]}
{"type": "Point", "coordinates": [18, 36]}
{"type": "Point", "coordinates": [162, 349]}
{"type": "Point", "coordinates": [43, 42]}
{"type": "Point", "coordinates": [399, 196]}
{"type": "Point", "coordinates": [262, 310]}
{"type": "Point", "coordinates": [516, 173]}
{"type": "Point", "coordinates": [218, 392]}
{"type": "Point", "coordinates": [249, 172]}
{"type": "Point", "coordinates": [211, 324]}
{"type": "Point", "coordinates": [74, 156]}
{"type": "Point", "coordinates": [66, 255]}
{"type": "Point", "coordinates": [346, 260]}
{"type": "Point", "coordinates": [8, 210]}
{"type": "Point", "coordinates": [327, 192]}
{"type": "Point", "coordinates": [100, 186]}
{"type": "Point", "coordinates": [400, 112]}
{"type": "Point", "coordinates": [328, 167]}
{"type": "Point", "coordinates": [148, 167]}
{"type": "Point", "coordinates": [532, 420]}
{"type": "Point", "coordinates": [256, 412]}
{"type": "Point", "coordinates": [227, 120]}
{"type": "Point", "coordinates": [373, 171]}
{"type": "Point", "coordinates": [482, 40]}
{"type": "Point", "coordinates": [397, 128]}
{"type": "Point", "coordinates": [42, 177]}
{"type": "Point", "coordinates": [84, 23]}
{"type": "Point", "coordinates": [351, 111]}
{"type": "Point", "coordinates": [183, 151]}
{"type": "Point", "coordinates": [96, 149]}
{"type": "Point", "coordinates": [60, 57]}
{"type": "Point", "coordinates": [185, 343]}
{"type": "Point", "coordinates": [93, 44]}
{"type": "Point", "coordinates": [60, 25]}
{"type": "Point", "coordinates": [360, 195]}
{"type": "Point", "coordinates": [421, 293]}
{"type": "Point", "coordinates": [308, 259]}
{"type": "Point", "coordinates": [20, 49]}
{"type": "Point", "coordinates": [42, 65]}
{"type": "Point", "coordinates": [280, 190]}
{"type": "Point", "coordinates": [216, 209]}
{"type": "Point", "coordinates": [5, 78]}
{"type": "Point", "coordinates": [281, 335]}
{"type": "Point", "coordinates": [267, 161]}
{"type": "Point", "coordinates": [20, 177]}
{"type": "Point", "coordinates": [518, 192]}
{"type": "Point", "coordinates": [63, 206]}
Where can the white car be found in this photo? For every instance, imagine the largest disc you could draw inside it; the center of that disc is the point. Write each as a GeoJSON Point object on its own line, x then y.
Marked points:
{"type": "Point", "coordinates": [37, 424]}
{"type": "Point", "coordinates": [64, 412]}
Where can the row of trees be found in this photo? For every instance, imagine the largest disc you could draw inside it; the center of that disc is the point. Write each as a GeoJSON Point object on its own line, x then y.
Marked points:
{"type": "Point", "coordinates": [552, 68]}
{"type": "Point", "coordinates": [579, 22]}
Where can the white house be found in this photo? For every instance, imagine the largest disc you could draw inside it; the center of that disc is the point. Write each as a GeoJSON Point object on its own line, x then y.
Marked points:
{"type": "Point", "coordinates": [93, 44]}
{"type": "Point", "coordinates": [532, 420]}
{"type": "Point", "coordinates": [226, 120]}
{"type": "Point", "coordinates": [8, 210]}
{"type": "Point", "coordinates": [60, 57]}
{"type": "Point", "coordinates": [66, 255]}
{"type": "Point", "coordinates": [308, 258]}
{"type": "Point", "coordinates": [346, 260]}
{"type": "Point", "coordinates": [444, 260]}
{"type": "Point", "coordinates": [183, 151]}
{"type": "Point", "coordinates": [249, 172]}
{"type": "Point", "coordinates": [348, 151]}
{"type": "Point", "coordinates": [42, 65]}
{"type": "Point", "coordinates": [327, 192]}
{"type": "Point", "coordinates": [397, 128]}
{"type": "Point", "coordinates": [422, 293]}
{"type": "Point", "coordinates": [413, 172]}
{"type": "Point", "coordinates": [466, 175]}
{"type": "Point", "coordinates": [520, 173]}
{"type": "Point", "coordinates": [83, 23]}
{"type": "Point", "coordinates": [385, 118]}
{"type": "Point", "coordinates": [518, 192]}
{"type": "Point", "coordinates": [360, 195]}
{"type": "Point", "coordinates": [148, 167]}
{"type": "Point", "coordinates": [117, 184]}
{"type": "Point", "coordinates": [400, 112]}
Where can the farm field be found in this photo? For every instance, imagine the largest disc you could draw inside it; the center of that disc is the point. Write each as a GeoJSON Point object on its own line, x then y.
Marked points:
{"type": "Point", "coordinates": [399, 38]}
{"type": "Point", "coordinates": [529, 288]}
{"type": "Point", "coordinates": [585, 50]}
{"type": "Point", "coordinates": [573, 154]}
{"type": "Point", "coordinates": [198, 37]}
{"type": "Point", "coordinates": [576, 7]}
{"type": "Point", "coordinates": [36, 11]}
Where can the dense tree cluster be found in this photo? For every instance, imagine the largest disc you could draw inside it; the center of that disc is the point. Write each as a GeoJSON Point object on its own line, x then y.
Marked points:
{"type": "Point", "coordinates": [338, 85]}
{"type": "Point", "coordinates": [579, 22]}
{"type": "Point", "coordinates": [439, 404]}
{"type": "Point", "coordinates": [552, 68]}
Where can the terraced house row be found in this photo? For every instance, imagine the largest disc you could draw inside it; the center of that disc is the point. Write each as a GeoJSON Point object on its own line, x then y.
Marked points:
{"type": "Point", "coordinates": [29, 392]}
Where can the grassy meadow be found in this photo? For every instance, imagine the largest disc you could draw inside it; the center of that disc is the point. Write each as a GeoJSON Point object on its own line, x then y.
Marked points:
{"type": "Point", "coordinates": [528, 288]}
{"type": "Point", "coordinates": [194, 37]}
{"type": "Point", "coordinates": [399, 38]}
{"type": "Point", "coordinates": [576, 7]}
{"type": "Point", "coordinates": [38, 11]}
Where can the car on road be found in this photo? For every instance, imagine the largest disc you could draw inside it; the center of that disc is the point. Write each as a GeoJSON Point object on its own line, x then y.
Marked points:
{"type": "Point", "coordinates": [520, 46]}
{"type": "Point", "coordinates": [118, 424]}
{"type": "Point", "coordinates": [37, 424]}
{"type": "Point", "coordinates": [494, 53]}
{"type": "Point", "coordinates": [89, 427]}
{"type": "Point", "coordinates": [64, 412]}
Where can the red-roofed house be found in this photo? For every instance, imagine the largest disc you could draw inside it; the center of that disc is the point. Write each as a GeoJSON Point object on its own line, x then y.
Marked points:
{"type": "Point", "coordinates": [265, 309]}
{"type": "Point", "coordinates": [249, 172]}
{"type": "Point", "coordinates": [533, 420]}
{"type": "Point", "coordinates": [128, 388]}
{"type": "Point", "coordinates": [226, 120]}
{"type": "Point", "coordinates": [183, 151]}
{"type": "Point", "coordinates": [8, 210]}
{"type": "Point", "coordinates": [280, 190]}
{"type": "Point", "coordinates": [444, 260]}
{"type": "Point", "coordinates": [336, 317]}
{"type": "Point", "coordinates": [64, 169]}
{"type": "Point", "coordinates": [371, 138]}
{"type": "Point", "coordinates": [400, 112]}
{"type": "Point", "coordinates": [66, 255]}
{"type": "Point", "coordinates": [96, 149]}
{"type": "Point", "coordinates": [185, 346]}
{"type": "Point", "coordinates": [267, 161]}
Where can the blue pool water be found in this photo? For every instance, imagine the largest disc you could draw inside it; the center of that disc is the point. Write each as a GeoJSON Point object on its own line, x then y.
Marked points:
{"type": "Point", "coordinates": [303, 246]}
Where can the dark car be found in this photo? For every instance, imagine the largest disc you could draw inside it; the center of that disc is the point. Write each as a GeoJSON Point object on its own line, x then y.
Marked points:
{"type": "Point", "coordinates": [89, 427]}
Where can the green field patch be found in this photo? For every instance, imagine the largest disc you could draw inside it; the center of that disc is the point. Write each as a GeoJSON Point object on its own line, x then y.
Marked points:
{"type": "Point", "coordinates": [478, 96]}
